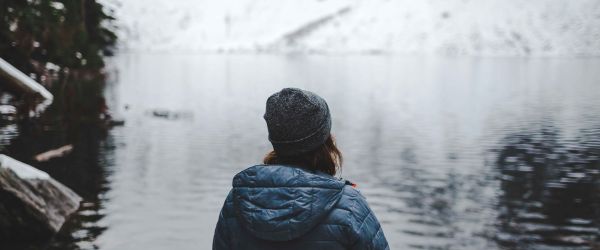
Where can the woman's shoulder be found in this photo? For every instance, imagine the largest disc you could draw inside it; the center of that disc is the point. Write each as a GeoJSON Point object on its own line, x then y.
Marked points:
{"type": "Point", "coordinates": [351, 208]}
{"type": "Point", "coordinates": [353, 199]}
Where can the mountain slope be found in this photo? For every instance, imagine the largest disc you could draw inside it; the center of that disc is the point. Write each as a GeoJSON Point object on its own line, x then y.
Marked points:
{"type": "Point", "coordinates": [472, 27]}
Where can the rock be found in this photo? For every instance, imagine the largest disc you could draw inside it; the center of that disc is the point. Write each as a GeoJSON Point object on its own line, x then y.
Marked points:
{"type": "Point", "coordinates": [33, 206]}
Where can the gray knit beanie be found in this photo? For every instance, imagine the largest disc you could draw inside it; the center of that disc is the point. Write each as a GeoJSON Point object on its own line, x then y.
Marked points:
{"type": "Point", "coordinates": [298, 121]}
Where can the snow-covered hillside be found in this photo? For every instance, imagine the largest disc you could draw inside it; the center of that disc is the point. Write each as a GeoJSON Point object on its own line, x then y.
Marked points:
{"type": "Point", "coordinates": [472, 27]}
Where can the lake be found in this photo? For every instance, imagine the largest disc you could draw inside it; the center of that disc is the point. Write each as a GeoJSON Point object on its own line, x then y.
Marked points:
{"type": "Point", "coordinates": [451, 153]}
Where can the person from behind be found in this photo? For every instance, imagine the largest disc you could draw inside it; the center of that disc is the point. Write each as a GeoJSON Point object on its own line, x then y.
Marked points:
{"type": "Point", "coordinates": [293, 200]}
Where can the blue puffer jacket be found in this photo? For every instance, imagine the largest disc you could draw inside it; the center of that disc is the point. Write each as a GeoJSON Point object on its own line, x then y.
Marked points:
{"type": "Point", "coordinates": [284, 207]}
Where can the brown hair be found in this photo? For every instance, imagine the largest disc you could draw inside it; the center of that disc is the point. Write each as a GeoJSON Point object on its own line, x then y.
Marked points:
{"type": "Point", "coordinates": [326, 158]}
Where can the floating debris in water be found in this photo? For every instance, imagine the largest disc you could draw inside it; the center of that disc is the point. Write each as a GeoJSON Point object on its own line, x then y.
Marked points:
{"type": "Point", "coordinates": [116, 122]}
{"type": "Point", "coordinates": [54, 153]}
{"type": "Point", "coordinates": [171, 115]}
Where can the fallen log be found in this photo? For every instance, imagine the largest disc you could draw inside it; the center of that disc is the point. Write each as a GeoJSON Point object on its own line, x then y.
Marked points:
{"type": "Point", "coordinates": [54, 153]}
{"type": "Point", "coordinates": [21, 81]}
{"type": "Point", "coordinates": [33, 206]}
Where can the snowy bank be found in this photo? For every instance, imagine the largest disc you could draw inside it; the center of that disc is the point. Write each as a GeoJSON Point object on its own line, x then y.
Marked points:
{"type": "Point", "coordinates": [470, 27]}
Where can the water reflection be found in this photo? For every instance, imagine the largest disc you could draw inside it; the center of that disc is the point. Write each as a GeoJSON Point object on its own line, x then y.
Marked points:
{"type": "Point", "coordinates": [74, 118]}
{"type": "Point", "coordinates": [452, 153]}
{"type": "Point", "coordinates": [550, 189]}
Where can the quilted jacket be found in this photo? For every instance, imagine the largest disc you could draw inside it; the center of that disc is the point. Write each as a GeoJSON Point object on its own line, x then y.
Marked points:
{"type": "Point", "coordinates": [286, 207]}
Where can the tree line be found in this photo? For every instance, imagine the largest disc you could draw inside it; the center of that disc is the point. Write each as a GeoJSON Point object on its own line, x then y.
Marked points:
{"type": "Point", "coordinates": [60, 35]}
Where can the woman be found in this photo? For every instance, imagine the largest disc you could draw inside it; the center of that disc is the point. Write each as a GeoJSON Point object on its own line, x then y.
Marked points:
{"type": "Point", "coordinates": [294, 201]}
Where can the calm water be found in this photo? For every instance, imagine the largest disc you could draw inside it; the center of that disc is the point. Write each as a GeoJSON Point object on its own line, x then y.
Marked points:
{"type": "Point", "coordinates": [451, 153]}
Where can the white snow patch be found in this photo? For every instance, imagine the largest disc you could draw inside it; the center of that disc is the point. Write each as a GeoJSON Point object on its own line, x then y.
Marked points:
{"type": "Point", "coordinates": [13, 26]}
{"type": "Point", "coordinates": [471, 27]}
{"type": "Point", "coordinates": [226, 25]}
{"type": "Point", "coordinates": [22, 170]}
{"type": "Point", "coordinates": [52, 66]}
{"type": "Point", "coordinates": [57, 5]}
{"type": "Point", "coordinates": [22, 80]}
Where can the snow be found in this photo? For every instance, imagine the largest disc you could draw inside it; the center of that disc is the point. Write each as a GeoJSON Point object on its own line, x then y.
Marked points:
{"type": "Point", "coordinates": [57, 5]}
{"type": "Point", "coordinates": [52, 66]}
{"type": "Point", "coordinates": [22, 170]}
{"type": "Point", "coordinates": [469, 27]}
{"type": "Point", "coordinates": [23, 80]}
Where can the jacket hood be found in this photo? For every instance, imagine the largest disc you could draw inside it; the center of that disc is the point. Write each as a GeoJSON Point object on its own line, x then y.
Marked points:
{"type": "Point", "coordinates": [281, 203]}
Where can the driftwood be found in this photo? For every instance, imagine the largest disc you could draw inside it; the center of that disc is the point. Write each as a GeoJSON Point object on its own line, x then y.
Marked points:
{"type": "Point", "coordinates": [33, 206]}
{"type": "Point", "coordinates": [54, 153]}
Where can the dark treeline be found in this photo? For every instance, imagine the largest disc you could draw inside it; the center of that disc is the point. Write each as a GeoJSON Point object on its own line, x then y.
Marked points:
{"type": "Point", "coordinates": [61, 44]}
{"type": "Point", "coordinates": [38, 36]}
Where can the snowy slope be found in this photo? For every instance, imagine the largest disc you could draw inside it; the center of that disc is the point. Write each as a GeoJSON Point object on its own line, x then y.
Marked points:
{"type": "Point", "coordinates": [472, 27]}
